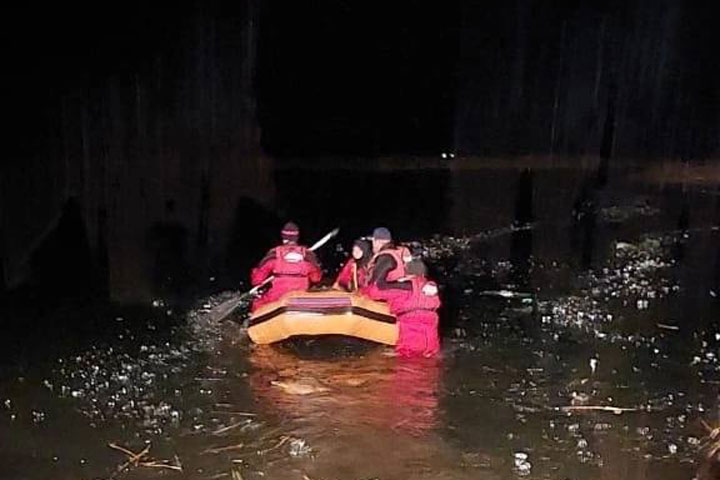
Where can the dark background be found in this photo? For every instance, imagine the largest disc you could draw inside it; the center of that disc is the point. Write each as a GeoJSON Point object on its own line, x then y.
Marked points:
{"type": "Point", "coordinates": [371, 78]}
{"type": "Point", "coordinates": [135, 128]}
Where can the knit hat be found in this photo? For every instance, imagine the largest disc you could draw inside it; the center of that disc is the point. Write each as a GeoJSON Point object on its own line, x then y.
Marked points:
{"type": "Point", "coordinates": [290, 231]}
{"type": "Point", "coordinates": [381, 233]}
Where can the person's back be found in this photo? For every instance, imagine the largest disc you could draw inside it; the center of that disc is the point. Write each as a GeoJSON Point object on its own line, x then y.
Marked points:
{"type": "Point", "coordinates": [416, 311]}
{"type": "Point", "coordinates": [292, 266]}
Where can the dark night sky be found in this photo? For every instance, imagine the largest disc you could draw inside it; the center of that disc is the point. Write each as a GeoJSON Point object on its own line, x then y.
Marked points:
{"type": "Point", "coordinates": [406, 77]}
{"type": "Point", "coordinates": [349, 77]}
{"type": "Point", "coordinates": [68, 48]}
{"type": "Point", "coordinates": [360, 76]}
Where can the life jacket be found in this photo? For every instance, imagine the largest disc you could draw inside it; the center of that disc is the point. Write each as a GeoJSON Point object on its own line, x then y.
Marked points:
{"type": "Point", "coordinates": [424, 296]}
{"type": "Point", "coordinates": [401, 255]}
{"type": "Point", "coordinates": [290, 261]}
{"type": "Point", "coordinates": [358, 276]}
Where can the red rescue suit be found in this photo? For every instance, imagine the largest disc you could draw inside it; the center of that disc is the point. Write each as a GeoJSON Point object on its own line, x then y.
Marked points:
{"type": "Point", "coordinates": [292, 267]}
{"type": "Point", "coordinates": [352, 276]}
{"type": "Point", "coordinates": [417, 318]}
{"type": "Point", "coordinates": [380, 284]}
{"type": "Point", "coordinates": [401, 255]}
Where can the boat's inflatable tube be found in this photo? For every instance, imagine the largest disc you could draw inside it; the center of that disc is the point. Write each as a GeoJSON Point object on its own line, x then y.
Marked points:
{"type": "Point", "coordinates": [329, 312]}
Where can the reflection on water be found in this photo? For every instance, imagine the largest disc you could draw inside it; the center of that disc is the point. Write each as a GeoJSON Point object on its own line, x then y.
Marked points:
{"type": "Point", "coordinates": [364, 415]}
{"type": "Point", "coordinates": [354, 392]}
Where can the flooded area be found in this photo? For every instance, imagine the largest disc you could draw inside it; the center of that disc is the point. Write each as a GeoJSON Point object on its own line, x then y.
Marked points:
{"type": "Point", "coordinates": [580, 340]}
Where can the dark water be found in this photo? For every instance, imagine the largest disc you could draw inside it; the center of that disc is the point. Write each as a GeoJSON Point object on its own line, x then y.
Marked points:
{"type": "Point", "coordinates": [563, 288]}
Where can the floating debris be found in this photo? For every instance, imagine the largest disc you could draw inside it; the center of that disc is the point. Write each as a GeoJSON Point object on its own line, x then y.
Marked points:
{"type": "Point", "coordinates": [636, 273]}
{"type": "Point", "coordinates": [304, 386]}
{"type": "Point", "coordinates": [299, 448]}
{"type": "Point", "coordinates": [521, 465]}
{"type": "Point", "coordinates": [623, 213]}
{"type": "Point", "coordinates": [141, 459]}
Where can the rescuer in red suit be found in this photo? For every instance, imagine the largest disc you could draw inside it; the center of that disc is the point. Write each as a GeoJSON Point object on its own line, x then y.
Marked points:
{"type": "Point", "coordinates": [386, 267]}
{"type": "Point", "coordinates": [414, 303]}
{"type": "Point", "coordinates": [354, 274]}
{"type": "Point", "coordinates": [292, 266]}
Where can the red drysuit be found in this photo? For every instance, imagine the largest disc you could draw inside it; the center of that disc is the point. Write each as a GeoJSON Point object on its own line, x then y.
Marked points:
{"type": "Point", "coordinates": [417, 318]}
{"type": "Point", "coordinates": [349, 273]}
{"type": "Point", "coordinates": [293, 267]}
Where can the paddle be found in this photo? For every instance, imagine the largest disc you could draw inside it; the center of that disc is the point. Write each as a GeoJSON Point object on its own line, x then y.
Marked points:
{"type": "Point", "coordinates": [228, 306]}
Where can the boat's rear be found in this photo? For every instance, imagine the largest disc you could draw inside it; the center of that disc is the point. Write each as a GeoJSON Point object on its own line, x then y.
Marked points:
{"type": "Point", "coordinates": [328, 312]}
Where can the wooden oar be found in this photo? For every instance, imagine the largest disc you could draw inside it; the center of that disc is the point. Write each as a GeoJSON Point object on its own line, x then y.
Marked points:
{"type": "Point", "coordinates": [228, 306]}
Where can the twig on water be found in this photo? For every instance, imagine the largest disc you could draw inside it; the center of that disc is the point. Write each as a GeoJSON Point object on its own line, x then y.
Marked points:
{"type": "Point", "coordinates": [668, 327]}
{"type": "Point", "coordinates": [711, 443]}
{"type": "Point", "coordinates": [282, 441]}
{"type": "Point", "coordinates": [133, 458]}
{"type": "Point", "coordinates": [239, 446]}
{"type": "Point", "coordinates": [711, 431]}
{"type": "Point", "coordinates": [596, 408]}
{"type": "Point", "coordinates": [232, 426]}
{"type": "Point", "coordinates": [235, 473]}
{"type": "Point", "coordinates": [166, 466]}
{"type": "Point", "coordinates": [228, 412]}
{"type": "Point", "coordinates": [219, 475]}
{"type": "Point", "coordinates": [127, 451]}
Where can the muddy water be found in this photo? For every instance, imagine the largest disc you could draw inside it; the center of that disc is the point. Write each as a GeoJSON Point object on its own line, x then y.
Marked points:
{"type": "Point", "coordinates": [563, 293]}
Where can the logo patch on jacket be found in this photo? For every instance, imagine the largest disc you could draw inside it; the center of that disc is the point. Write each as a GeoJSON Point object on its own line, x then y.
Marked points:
{"type": "Point", "coordinates": [430, 289]}
{"type": "Point", "coordinates": [294, 257]}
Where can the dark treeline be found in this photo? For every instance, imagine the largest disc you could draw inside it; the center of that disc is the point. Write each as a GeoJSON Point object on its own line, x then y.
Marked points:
{"type": "Point", "coordinates": [135, 135]}
{"type": "Point", "coordinates": [630, 78]}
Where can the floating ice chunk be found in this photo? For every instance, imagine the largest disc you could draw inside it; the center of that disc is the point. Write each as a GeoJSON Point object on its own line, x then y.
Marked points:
{"type": "Point", "coordinates": [593, 365]}
{"type": "Point", "coordinates": [299, 448]}
{"type": "Point", "coordinates": [522, 466]}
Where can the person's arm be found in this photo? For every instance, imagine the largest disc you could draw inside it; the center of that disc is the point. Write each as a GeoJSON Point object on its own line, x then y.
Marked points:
{"type": "Point", "coordinates": [384, 265]}
{"type": "Point", "coordinates": [315, 273]}
{"type": "Point", "coordinates": [261, 273]}
{"type": "Point", "coordinates": [312, 258]}
{"type": "Point", "coordinates": [343, 278]}
{"type": "Point", "coordinates": [312, 266]}
{"type": "Point", "coordinates": [264, 269]}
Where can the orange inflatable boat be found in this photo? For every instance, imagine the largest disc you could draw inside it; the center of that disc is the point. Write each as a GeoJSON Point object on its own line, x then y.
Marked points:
{"type": "Point", "coordinates": [329, 312]}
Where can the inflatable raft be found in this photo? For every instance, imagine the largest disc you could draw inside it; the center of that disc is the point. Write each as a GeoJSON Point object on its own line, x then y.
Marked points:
{"type": "Point", "coordinates": [330, 312]}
